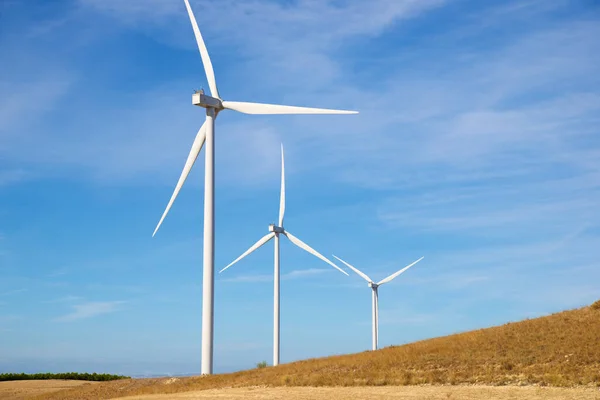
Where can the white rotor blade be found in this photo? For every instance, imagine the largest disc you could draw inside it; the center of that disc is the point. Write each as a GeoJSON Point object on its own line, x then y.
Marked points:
{"type": "Point", "coordinates": [362, 274]}
{"type": "Point", "coordinates": [312, 251]}
{"type": "Point", "coordinates": [255, 246]}
{"type": "Point", "coordinates": [389, 278]}
{"type": "Point", "coordinates": [189, 163]}
{"type": "Point", "coordinates": [261, 108]}
{"type": "Point", "coordinates": [282, 194]}
{"type": "Point", "coordinates": [210, 74]}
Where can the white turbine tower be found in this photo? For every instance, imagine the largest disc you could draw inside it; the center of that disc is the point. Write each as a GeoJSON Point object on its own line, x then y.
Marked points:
{"type": "Point", "coordinates": [213, 105]}
{"type": "Point", "coordinates": [274, 232]}
{"type": "Point", "coordinates": [374, 287]}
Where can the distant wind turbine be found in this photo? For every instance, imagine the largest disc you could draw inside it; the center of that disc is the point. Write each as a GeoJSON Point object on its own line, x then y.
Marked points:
{"type": "Point", "coordinates": [374, 287]}
{"type": "Point", "coordinates": [274, 232]}
{"type": "Point", "coordinates": [214, 104]}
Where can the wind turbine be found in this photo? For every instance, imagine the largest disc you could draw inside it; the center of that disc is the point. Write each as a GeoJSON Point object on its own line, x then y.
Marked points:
{"type": "Point", "coordinates": [374, 287]}
{"type": "Point", "coordinates": [213, 105]}
{"type": "Point", "coordinates": [274, 232]}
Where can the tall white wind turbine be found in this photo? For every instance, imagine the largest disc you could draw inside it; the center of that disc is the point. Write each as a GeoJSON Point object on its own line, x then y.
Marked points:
{"type": "Point", "coordinates": [206, 134]}
{"type": "Point", "coordinates": [274, 232]}
{"type": "Point", "coordinates": [375, 296]}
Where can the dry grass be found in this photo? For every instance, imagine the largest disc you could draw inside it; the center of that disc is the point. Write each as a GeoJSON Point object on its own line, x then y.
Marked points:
{"type": "Point", "coordinates": [17, 390]}
{"type": "Point", "coordinates": [558, 350]}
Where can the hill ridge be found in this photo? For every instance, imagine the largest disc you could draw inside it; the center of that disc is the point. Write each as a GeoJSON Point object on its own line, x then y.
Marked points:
{"type": "Point", "coordinates": [561, 349]}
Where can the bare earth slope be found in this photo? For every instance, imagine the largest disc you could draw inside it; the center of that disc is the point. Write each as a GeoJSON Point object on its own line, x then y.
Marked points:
{"type": "Point", "coordinates": [557, 350]}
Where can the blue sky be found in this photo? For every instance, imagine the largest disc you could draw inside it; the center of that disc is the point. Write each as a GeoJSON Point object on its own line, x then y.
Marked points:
{"type": "Point", "coordinates": [476, 146]}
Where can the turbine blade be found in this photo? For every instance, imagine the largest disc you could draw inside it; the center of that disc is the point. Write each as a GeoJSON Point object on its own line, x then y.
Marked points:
{"type": "Point", "coordinates": [362, 274]}
{"type": "Point", "coordinates": [389, 278]}
{"type": "Point", "coordinates": [282, 194]}
{"type": "Point", "coordinates": [310, 250]}
{"type": "Point", "coordinates": [261, 108]}
{"type": "Point", "coordinates": [208, 68]}
{"type": "Point", "coordinates": [255, 246]}
{"type": "Point", "coordinates": [189, 163]}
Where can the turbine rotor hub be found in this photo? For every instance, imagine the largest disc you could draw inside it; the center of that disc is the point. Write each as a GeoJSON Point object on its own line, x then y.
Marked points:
{"type": "Point", "coordinates": [276, 229]}
{"type": "Point", "coordinates": [373, 285]}
{"type": "Point", "coordinates": [203, 100]}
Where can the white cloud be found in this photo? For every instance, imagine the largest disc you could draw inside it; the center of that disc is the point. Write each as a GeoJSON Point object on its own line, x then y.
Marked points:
{"type": "Point", "coordinates": [91, 309]}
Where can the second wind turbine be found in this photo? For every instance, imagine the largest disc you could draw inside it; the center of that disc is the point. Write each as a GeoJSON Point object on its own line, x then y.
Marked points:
{"type": "Point", "coordinates": [274, 232]}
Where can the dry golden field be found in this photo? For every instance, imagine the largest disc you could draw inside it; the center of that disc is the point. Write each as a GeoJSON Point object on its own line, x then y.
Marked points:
{"type": "Point", "coordinates": [559, 350]}
{"type": "Point", "coordinates": [26, 389]}
{"type": "Point", "coordinates": [383, 393]}
{"type": "Point", "coordinates": [17, 390]}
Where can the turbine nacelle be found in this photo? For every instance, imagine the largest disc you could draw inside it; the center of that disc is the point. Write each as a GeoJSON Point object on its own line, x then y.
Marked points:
{"type": "Point", "coordinates": [373, 285]}
{"type": "Point", "coordinates": [276, 229]}
{"type": "Point", "coordinates": [202, 100]}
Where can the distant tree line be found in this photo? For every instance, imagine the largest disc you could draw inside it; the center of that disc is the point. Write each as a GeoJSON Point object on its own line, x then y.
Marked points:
{"type": "Point", "coordinates": [62, 375]}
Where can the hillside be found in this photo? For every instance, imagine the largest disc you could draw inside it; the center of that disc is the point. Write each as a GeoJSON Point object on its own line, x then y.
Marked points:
{"type": "Point", "coordinates": [561, 349]}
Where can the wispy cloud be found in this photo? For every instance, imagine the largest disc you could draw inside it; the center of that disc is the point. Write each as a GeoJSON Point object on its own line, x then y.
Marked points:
{"type": "Point", "coordinates": [235, 347]}
{"type": "Point", "coordinates": [475, 209]}
{"type": "Point", "coordinates": [2, 246]}
{"type": "Point", "coordinates": [4, 318]}
{"type": "Point", "coordinates": [461, 119]}
{"type": "Point", "coordinates": [58, 272]}
{"type": "Point", "coordinates": [90, 309]}
{"type": "Point", "coordinates": [65, 299]}
{"type": "Point", "coordinates": [13, 291]}
{"type": "Point", "coordinates": [117, 287]}
{"type": "Point", "coordinates": [16, 107]}
{"type": "Point", "coordinates": [396, 317]}
{"type": "Point", "coordinates": [132, 12]}
{"type": "Point", "coordinates": [458, 280]}
{"type": "Point", "coordinates": [313, 28]}
{"type": "Point", "coordinates": [295, 274]}
{"type": "Point", "coordinates": [280, 33]}
{"type": "Point", "coordinates": [302, 273]}
{"type": "Point", "coordinates": [11, 176]}
{"type": "Point", "coordinates": [249, 278]}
